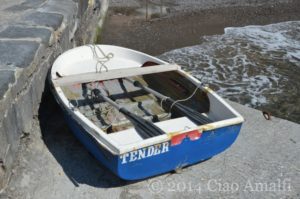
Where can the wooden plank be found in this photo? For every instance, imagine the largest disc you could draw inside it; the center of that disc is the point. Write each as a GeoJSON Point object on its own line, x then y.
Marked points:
{"type": "Point", "coordinates": [113, 74]}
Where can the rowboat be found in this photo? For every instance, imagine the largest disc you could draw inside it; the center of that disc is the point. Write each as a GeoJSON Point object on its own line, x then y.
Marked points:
{"type": "Point", "coordinates": [138, 115]}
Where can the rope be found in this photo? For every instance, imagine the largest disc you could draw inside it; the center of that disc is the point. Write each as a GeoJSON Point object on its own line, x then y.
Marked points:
{"type": "Point", "coordinates": [100, 60]}
{"type": "Point", "coordinates": [183, 100]}
{"type": "Point", "coordinates": [163, 100]}
{"type": "Point", "coordinates": [161, 105]}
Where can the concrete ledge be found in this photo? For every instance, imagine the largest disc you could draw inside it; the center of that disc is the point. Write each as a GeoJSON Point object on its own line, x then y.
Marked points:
{"type": "Point", "coordinates": [32, 35]}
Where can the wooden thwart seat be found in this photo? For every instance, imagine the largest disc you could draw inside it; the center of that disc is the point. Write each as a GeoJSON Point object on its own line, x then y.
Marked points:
{"type": "Point", "coordinates": [113, 74]}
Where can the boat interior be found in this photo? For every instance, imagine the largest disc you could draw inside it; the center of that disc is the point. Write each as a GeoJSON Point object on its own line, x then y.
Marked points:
{"type": "Point", "coordinates": [135, 99]}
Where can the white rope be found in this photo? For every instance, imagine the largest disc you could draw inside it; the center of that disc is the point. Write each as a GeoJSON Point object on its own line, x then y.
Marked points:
{"type": "Point", "coordinates": [183, 100]}
{"type": "Point", "coordinates": [161, 105]}
{"type": "Point", "coordinates": [100, 60]}
{"type": "Point", "coordinates": [163, 100]}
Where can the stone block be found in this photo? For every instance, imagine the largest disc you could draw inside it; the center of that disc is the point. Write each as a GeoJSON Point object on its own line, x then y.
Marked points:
{"type": "Point", "coordinates": [16, 32]}
{"type": "Point", "coordinates": [24, 112]}
{"type": "Point", "coordinates": [33, 3]}
{"type": "Point", "coordinates": [6, 78]}
{"type": "Point", "coordinates": [17, 53]}
{"type": "Point", "coordinates": [3, 143]}
{"type": "Point", "coordinates": [66, 8]}
{"type": "Point", "coordinates": [52, 20]}
{"type": "Point", "coordinates": [11, 128]}
{"type": "Point", "coordinates": [28, 4]}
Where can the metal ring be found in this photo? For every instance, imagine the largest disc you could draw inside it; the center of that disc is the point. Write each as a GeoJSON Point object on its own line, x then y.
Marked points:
{"type": "Point", "coordinates": [267, 115]}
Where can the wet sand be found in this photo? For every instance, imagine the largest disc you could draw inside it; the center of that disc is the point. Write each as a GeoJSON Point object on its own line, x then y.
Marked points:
{"type": "Point", "coordinates": [184, 24]}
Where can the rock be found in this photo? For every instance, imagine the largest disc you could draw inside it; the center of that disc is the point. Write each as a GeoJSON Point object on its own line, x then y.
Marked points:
{"type": "Point", "coordinates": [52, 20]}
{"type": "Point", "coordinates": [29, 4]}
{"type": "Point", "coordinates": [15, 32]}
{"type": "Point", "coordinates": [66, 8]}
{"type": "Point", "coordinates": [6, 77]}
{"type": "Point", "coordinates": [17, 53]}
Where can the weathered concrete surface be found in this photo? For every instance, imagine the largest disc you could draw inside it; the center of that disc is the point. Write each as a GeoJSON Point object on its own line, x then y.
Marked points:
{"type": "Point", "coordinates": [32, 34]}
{"type": "Point", "coordinates": [53, 164]}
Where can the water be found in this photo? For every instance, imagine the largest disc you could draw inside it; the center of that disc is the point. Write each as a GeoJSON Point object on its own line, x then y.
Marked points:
{"type": "Point", "coordinates": [258, 66]}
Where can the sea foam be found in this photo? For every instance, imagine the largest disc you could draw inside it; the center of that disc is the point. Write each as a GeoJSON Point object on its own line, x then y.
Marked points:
{"type": "Point", "coordinates": [254, 65]}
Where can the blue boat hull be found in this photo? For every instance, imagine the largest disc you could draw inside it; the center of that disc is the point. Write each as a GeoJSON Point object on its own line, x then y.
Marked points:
{"type": "Point", "coordinates": [161, 158]}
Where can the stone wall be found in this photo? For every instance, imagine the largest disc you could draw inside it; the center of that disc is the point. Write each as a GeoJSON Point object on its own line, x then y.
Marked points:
{"type": "Point", "coordinates": [32, 34]}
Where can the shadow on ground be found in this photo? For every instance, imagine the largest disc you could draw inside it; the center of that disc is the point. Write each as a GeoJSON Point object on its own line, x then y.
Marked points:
{"type": "Point", "coordinates": [78, 164]}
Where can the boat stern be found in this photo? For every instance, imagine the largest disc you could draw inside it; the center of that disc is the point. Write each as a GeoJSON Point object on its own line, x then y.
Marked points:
{"type": "Point", "coordinates": [180, 151]}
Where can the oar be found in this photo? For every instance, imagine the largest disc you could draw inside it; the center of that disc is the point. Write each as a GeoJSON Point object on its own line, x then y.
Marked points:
{"type": "Point", "coordinates": [190, 113]}
{"type": "Point", "coordinates": [145, 128]}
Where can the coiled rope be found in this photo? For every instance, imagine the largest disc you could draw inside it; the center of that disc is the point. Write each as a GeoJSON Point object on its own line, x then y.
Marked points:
{"type": "Point", "coordinates": [100, 60]}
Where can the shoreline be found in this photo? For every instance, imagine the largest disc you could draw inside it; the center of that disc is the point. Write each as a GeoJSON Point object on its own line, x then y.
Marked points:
{"type": "Point", "coordinates": [125, 26]}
